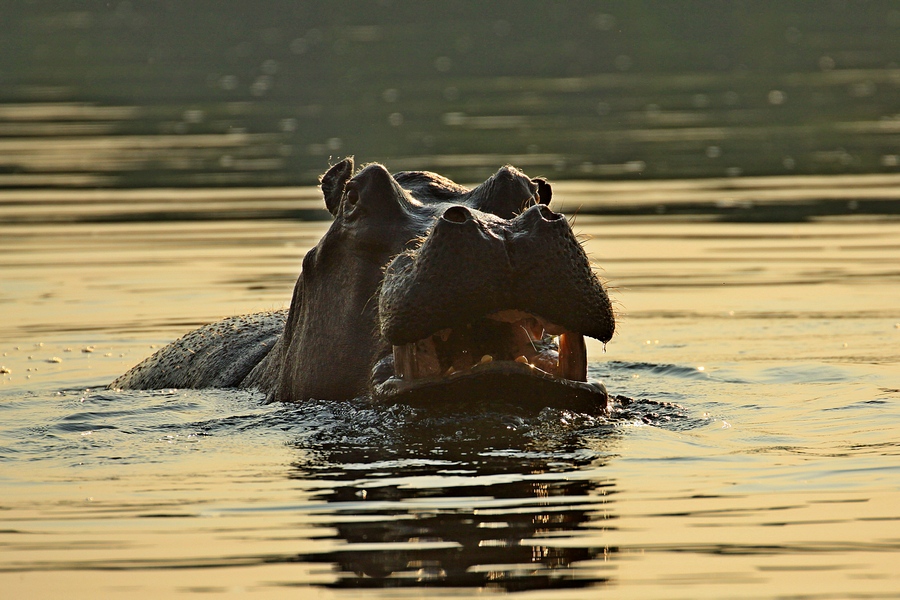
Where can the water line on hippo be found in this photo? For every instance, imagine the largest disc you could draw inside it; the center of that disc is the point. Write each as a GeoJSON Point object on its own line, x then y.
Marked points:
{"type": "Point", "coordinates": [447, 293]}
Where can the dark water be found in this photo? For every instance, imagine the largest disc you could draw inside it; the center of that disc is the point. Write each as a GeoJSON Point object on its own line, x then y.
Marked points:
{"type": "Point", "coordinates": [210, 93]}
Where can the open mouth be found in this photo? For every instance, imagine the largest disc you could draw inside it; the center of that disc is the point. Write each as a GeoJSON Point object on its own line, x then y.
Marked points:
{"type": "Point", "coordinates": [514, 337]}
{"type": "Point", "coordinates": [508, 358]}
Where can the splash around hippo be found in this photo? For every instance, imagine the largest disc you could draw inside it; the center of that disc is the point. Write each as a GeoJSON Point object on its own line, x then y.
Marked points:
{"type": "Point", "coordinates": [423, 292]}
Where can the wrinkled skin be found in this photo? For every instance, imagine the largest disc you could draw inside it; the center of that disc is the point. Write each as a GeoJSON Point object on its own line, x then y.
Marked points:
{"type": "Point", "coordinates": [421, 291]}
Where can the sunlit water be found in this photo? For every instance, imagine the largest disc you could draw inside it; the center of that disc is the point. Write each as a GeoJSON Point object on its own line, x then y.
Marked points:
{"type": "Point", "coordinates": [759, 458]}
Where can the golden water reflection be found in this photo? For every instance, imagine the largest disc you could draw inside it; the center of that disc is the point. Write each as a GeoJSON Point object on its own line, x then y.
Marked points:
{"type": "Point", "coordinates": [776, 476]}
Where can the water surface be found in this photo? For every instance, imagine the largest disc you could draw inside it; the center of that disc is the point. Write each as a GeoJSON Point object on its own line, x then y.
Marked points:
{"type": "Point", "coordinates": [758, 458]}
{"type": "Point", "coordinates": [209, 93]}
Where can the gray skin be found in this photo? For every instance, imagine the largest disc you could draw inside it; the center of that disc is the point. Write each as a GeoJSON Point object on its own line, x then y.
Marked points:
{"type": "Point", "coordinates": [405, 256]}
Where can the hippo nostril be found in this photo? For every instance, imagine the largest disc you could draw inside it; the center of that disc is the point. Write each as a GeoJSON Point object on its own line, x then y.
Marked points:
{"type": "Point", "coordinates": [547, 214]}
{"type": "Point", "coordinates": [456, 214]}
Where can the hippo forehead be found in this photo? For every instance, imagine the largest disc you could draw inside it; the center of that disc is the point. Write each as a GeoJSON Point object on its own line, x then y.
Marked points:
{"type": "Point", "coordinates": [505, 194]}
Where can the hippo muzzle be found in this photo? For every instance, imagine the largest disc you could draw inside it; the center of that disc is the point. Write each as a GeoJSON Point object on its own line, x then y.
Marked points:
{"type": "Point", "coordinates": [493, 310]}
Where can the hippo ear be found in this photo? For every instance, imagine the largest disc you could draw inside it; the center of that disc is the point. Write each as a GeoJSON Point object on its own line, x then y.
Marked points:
{"type": "Point", "coordinates": [544, 191]}
{"type": "Point", "coordinates": [333, 184]}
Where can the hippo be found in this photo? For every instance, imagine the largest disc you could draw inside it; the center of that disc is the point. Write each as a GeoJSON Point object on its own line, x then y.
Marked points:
{"type": "Point", "coordinates": [422, 291]}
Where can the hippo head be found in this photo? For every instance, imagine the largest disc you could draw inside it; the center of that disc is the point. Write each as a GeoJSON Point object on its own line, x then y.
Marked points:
{"type": "Point", "coordinates": [426, 292]}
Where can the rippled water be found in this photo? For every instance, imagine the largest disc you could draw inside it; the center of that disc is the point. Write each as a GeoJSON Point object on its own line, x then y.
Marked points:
{"type": "Point", "coordinates": [758, 339]}
{"type": "Point", "coordinates": [138, 94]}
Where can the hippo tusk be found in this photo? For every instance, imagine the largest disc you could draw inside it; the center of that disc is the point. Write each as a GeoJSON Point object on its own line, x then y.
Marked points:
{"type": "Point", "coordinates": [572, 357]}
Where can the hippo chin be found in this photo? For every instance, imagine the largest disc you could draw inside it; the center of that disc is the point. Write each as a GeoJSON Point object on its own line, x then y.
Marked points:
{"type": "Point", "coordinates": [422, 292]}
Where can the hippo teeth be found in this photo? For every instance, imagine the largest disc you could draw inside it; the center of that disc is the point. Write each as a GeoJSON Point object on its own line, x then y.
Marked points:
{"type": "Point", "coordinates": [509, 336]}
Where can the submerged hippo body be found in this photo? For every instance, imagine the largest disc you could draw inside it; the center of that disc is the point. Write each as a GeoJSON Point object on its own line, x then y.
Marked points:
{"type": "Point", "coordinates": [421, 291]}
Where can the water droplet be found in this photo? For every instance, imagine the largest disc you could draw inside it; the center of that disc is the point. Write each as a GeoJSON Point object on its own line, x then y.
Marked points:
{"type": "Point", "coordinates": [390, 95]}
{"type": "Point", "coordinates": [604, 22]}
{"type": "Point", "coordinates": [777, 97]}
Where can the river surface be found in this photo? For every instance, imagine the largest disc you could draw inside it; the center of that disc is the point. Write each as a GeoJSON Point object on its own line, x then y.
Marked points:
{"type": "Point", "coordinates": [759, 329]}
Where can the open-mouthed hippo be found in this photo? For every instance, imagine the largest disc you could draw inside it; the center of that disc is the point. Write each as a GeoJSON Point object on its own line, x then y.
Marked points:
{"type": "Point", "coordinates": [421, 291]}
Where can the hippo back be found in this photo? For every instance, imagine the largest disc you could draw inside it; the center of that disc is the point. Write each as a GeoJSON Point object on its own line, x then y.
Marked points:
{"type": "Point", "coordinates": [220, 354]}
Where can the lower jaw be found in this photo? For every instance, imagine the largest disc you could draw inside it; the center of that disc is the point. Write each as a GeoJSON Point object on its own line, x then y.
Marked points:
{"type": "Point", "coordinates": [503, 386]}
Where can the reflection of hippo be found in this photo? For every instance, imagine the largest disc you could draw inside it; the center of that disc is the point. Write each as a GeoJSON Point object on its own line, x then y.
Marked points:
{"type": "Point", "coordinates": [488, 534]}
{"type": "Point", "coordinates": [421, 291]}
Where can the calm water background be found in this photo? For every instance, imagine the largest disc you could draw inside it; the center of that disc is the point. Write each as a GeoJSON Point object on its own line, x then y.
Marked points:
{"type": "Point", "coordinates": [213, 92]}
{"type": "Point", "coordinates": [153, 159]}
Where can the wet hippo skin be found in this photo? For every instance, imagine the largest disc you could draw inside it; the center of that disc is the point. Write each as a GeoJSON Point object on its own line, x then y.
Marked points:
{"type": "Point", "coordinates": [422, 291]}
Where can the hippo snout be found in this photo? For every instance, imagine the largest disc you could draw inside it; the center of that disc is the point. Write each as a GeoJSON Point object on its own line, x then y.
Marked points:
{"type": "Point", "coordinates": [472, 264]}
{"type": "Point", "coordinates": [461, 270]}
{"type": "Point", "coordinates": [486, 303]}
